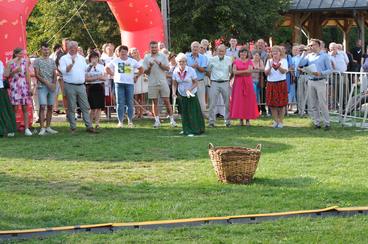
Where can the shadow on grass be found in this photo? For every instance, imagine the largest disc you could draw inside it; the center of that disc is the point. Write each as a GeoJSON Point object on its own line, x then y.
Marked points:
{"type": "Point", "coordinates": [119, 145]}
{"type": "Point", "coordinates": [285, 182]}
{"type": "Point", "coordinates": [146, 144]}
{"type": "Point", "coordinates": [39, 203]}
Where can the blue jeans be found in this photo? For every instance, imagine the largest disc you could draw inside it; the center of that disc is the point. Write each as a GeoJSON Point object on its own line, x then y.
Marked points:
{"type": "Point", "coordinates": [124, 97]}
{"type": "Point", "coordinates": [257, 90]}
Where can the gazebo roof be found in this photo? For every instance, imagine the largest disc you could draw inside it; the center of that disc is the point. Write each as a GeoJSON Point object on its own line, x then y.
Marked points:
{"type": "Point", "coordinates": [327, 5]}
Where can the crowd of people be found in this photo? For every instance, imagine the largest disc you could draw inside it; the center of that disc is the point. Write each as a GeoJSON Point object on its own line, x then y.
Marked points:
{"type": "Point", "coordinates": [205, 83]}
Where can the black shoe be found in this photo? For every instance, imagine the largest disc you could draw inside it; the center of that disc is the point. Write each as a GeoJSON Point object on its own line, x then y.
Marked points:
{"type": "Point", "coordinates": [211, 126]}
{"type": "Point", "coordinates": [317, 127]}
{"type": "Point", "coordinates": [228, 125]}
{"type": "Point", "coordinates": [219, 116]}
{"type": "Point", "coordinates": [327, 127]}
{"type": "Point", "coordinates": [296, 112]}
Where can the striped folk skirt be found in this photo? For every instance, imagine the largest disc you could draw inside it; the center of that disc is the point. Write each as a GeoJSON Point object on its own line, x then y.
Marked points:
{"type": "Point", "coordinates": [191, 115]}
{"type": "Point", "coordinates": [7, 116]}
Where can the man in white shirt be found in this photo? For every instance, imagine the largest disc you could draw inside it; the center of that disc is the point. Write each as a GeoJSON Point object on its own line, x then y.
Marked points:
{"type": "Point", "coordinates": [123, 71]}
{"type": "Point", "coordinates": [220, 68]}
{"type": "Point", "coordinates": [155, 66]}
{"type": "Point", "coordinates": [73, 68]}
{"type": "Point", "coordinates": [232, 51]}
{"type": "Point", "coordinates": [338, 58]}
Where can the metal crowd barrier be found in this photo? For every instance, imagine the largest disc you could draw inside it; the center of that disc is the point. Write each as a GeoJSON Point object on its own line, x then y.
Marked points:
{"type": "Point", "coordinates": [355, 106]}
{"type": "Point", "coordinates": [347, 97]}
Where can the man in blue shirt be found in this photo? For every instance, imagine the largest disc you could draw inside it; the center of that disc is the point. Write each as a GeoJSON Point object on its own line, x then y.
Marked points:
{"type": "Point", "coordinates": [317, 82]}
{"type": "Point", "coordinates": [199, 63]}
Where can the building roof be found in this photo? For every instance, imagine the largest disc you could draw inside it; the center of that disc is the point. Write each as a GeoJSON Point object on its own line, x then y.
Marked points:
{"type": "Point", "coordinates": [327, 5]}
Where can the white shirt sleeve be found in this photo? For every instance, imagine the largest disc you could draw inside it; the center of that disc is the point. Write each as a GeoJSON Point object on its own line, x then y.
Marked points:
{"type": "Point", "coordinates": [101, 68]}
{"type": "Point", "coordinates": [346, 58]}
{"type": "Point", "coordinates": [145, 62]}
{"type": "Point", "coordinates": [284, 64]}
{"type": "Point", "coordinates": [84, 62]}
{"type": "Point", "coordinates": [165, 60]}
{"type": "Point", "coordinates": [111, 65]}
{"type": "Point", "coordinates": [210, 63]}
{"type": "Point", "coordinates": [62, 64]}
{"type": "Point", "coordinates": [175, 75]}
{"type": "Point", "coordinates": [136, 64]}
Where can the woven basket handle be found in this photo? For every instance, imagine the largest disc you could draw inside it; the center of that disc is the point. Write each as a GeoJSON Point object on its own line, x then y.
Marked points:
{"type": "Point", "coordinates": [211, 146]}
{"type": "Point", "coordinates": [259, 147]}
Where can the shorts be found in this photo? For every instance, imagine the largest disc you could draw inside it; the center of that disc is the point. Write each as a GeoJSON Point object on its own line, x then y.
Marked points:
{"type": "Point", "coordinates": [155, 92]}
{"type": "Point", "coordinates": [45, 96]}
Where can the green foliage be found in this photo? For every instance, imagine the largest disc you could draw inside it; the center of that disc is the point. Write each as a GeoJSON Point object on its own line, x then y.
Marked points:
{"type": "Point", "coordinates": [49, 16]}
{"type": "Point", "coordinates": [244, 19]}
{"type": "Point", "coordinates": [189, 20]}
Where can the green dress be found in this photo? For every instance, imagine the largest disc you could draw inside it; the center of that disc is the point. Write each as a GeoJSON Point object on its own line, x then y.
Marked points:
{"type": "Point", "coordinates": [7, 116]}
{"type": "Point", "coordinates": [192, 117]}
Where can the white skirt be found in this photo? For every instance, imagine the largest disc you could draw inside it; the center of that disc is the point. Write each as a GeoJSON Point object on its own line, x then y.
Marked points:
{"type": "Point", "coordinates": [141, 86]}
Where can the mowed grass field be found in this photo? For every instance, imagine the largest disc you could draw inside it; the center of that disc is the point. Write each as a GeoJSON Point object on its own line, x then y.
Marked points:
{"type": "Point", "coordinates": [143, 174]}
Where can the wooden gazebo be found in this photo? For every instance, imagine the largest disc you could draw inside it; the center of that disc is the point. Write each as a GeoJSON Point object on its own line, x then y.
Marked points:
{"type": "Point", "coordinates": [310, 16]}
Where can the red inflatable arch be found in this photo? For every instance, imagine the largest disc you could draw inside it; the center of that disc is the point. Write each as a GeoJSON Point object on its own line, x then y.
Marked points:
{"type": "Point", "coordinates": [140, 22]}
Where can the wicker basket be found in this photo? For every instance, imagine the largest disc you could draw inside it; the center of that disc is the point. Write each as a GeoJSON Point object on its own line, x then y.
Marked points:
{"type": "Point", "coordinates": [235, 164]}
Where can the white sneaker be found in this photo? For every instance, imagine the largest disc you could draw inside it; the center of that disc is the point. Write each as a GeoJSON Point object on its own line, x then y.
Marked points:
{"type": "Point", "coordinates": [156, 124]}
{"type": "Point", "coordinates": [42, 132]}
{"type": "Point", "coordinates": [27, 132]}
{"type": "Point", "coordinates": [181, 133]}
{"type": "Point", "coordinates": [51, 131]}
{"type": "Point", "coordinates": [130, 125]}
{"type": "Point", "coordinates": [280, 126]}
{"type": "Point", "coordinates": [275, 124]}
{"type": "Point", "coordinates": [173, 123]}
{"type": "Point", "coordinates": [11, 134]}
{"type": "Point", "coordinates": [120, 125]}
{"type": "Point", "coordinates": [190, 135]}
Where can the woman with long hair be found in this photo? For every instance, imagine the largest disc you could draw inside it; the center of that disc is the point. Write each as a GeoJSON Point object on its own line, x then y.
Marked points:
{"type": "Point", "coordinates": [17, 71]}
{"type": "Point", "coordinates": [140, 85]}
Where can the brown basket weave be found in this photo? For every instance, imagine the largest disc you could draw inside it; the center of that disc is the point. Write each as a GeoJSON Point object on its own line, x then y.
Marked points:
{"type": "Point", "coordinates": [235, 164]}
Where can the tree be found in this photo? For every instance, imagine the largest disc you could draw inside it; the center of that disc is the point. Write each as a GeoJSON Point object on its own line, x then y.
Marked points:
{"type": "Point", "coordinates": [212, 19]}
{"type": "Point", "coordinates": [49, 16]}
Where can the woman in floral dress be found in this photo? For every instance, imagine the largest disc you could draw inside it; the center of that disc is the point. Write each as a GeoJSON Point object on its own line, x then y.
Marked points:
{"type": "Point", "coordinates": [17, 71]}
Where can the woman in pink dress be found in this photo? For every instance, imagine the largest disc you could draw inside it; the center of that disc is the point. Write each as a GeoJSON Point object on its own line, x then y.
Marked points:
{"type": "Point", "coordinates": [243, 101]}
{"type": "Point", "coordinates": [17, 71]}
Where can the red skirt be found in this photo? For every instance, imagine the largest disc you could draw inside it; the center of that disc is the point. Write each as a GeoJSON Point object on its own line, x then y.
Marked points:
{"type": "Point", "coordinates": [277, 94]}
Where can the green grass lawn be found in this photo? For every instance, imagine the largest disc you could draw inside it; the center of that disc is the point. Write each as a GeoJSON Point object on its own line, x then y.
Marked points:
{"type": "Point", "coordinates": [141, 174]}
